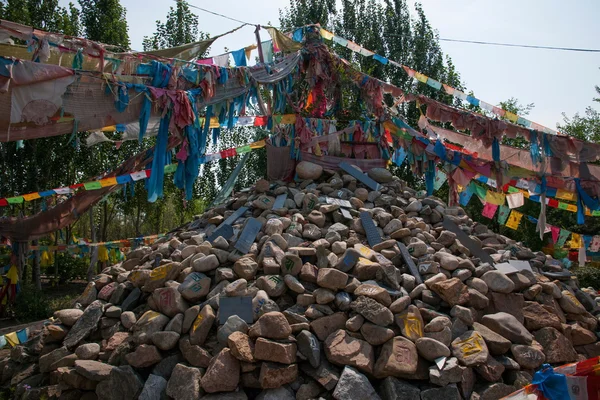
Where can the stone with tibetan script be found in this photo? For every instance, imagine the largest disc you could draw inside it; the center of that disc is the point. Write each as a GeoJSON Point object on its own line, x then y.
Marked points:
{"type": "Point", "coordinates": [291, 264]}
{"type": "Point", "coordinates": [149, 323]}
{"type": "Point", "coordinates": [470, 349]}
{"type": "Point", "coordinates": [169, 301]}
{"type": "Point", "coordinates": [398, 357]}
{"type": "Point", "coordinates": [410, 322]}
{"type": "Point", "coordinates": [195, 286]}
{"type": "Point", "coordinates": [160, 275]}
{"type": "Point", "coordinates": [201, 325]}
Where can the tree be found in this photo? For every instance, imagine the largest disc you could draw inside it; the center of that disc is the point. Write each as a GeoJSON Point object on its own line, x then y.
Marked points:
{"type": "Point", "coordinates": [42, 14]}
{"type": "Point", "coordinates": [104, 21]}
{"type": "Point", "coordinates": [181, 27]}
{"type": "Point", "coordinates": [586, 127]}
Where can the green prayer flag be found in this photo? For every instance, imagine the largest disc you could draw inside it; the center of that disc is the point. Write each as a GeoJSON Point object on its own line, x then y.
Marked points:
{"type": "Point", "coordinates": [243, 149]}
{"type": "Point", "coordinates": [503, 213]}
{"type": "Point", "coordinates": [170, 168]}
{"type": "Point", "coordinates": [14, 200]}
{"type": "Point", "coordinates": [562, 237]}
{"type": "Point", "coordinates": [512, 189]}
{"type": "Point", "coordinates": [562, 206]}
{"type": "Point", "coordinates": [480, 192]}
{"type": "Point", "coordinates": [92, 185]}
{"type": "Point", "coordinates": [596, 213]}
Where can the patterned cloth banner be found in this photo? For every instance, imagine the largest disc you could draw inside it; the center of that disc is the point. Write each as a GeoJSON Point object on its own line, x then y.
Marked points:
{"type": "Point", "coordinates": [495, 198]}
{"type": "Point", "coordinates": [436, 84]}
{"type": "Point", "coordinates": [562, 237]}
{"type": "Point", "coordinates": [503, 213]}
{"type": "Point", "coordinates": [515, 200]}
{"type": "Point", "coordinates": [440, 178]}
{"type": "Point", "coordinates": [489, 210]}
{"type": "Point", "coordinates": [134, 176]}
{"type": "Point", "coordinates": [514, 219]}
{"type": "Point", "coordinates": [465, 196]}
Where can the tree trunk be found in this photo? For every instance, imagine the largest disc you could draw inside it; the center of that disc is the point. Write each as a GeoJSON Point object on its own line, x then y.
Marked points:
{"type": "Point", "coordinates": [91, 272]}
{"type": "Point", "coordinates": [56, 259]}
{"type": "Point", "coordinates": [36, 273]}
{"type": "Point", "coordinates": [137, 221]}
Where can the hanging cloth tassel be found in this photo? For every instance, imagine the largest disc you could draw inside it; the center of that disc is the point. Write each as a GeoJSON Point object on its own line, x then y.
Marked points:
{"type": "Point", "coordinates": [78, 60]}
{"type": "Point", "coordinates": [430, 177]}
{"type": "Point", "coordinates": [155, 182]}
{"type": "Point", "coordinates": [496, 150]}
{"type": "Point", "coordinates": [534, 148]}
{"type": "Point", "coordinates": [541, 222]}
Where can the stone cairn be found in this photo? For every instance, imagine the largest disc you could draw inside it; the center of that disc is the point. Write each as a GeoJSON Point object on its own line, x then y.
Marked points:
{"type": "Point", "coordinates": [330, 317]}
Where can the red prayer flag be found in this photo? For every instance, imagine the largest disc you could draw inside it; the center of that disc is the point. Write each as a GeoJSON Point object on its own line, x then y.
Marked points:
{"type": "Point", "coordinates": [3, 202]}
{"type": "Point", "coordinates": [553, 203]}
{"type": "Point", "coordinates": [260, 121]}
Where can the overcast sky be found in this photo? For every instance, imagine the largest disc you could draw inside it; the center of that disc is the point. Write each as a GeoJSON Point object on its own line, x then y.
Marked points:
{"type": "Point", "coordinates": [555, 81]}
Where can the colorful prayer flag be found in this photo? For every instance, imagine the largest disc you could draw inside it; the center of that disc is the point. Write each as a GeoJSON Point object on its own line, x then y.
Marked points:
{"type": "Point", "coordinates": [503, 214]}
{"type": "Point", "coordinates": [496, 198]}
{"type": "Point", "coordinates": [562, 237]}
{"type": "Point", "coordinates": [489, 210]}
{"type": "Point", "coordinates": [515, 200]}
{"type": "Point", "coordinates": [514, 219]}
{"type": "Point", "coordinates": [92, 185]}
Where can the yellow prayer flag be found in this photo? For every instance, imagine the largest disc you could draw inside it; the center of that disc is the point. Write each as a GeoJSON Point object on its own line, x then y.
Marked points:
{"type": "Point", "coordinates": [288, 119]}
{"type": "Point", "coordinates": [326, 34]}
{"type": "Point", "coordinates": [572, 208]}
{"type": "Point", "coordinates": [257, 145]}
{"type": "Point", "coordinates": [575, 241]}
{"type": "Point", "coordinates": [421, 77]}
{"type": "Point", "coordinates": [514, 219]}
{"type": "Point", "coordinates": [13, 275]}
{"type": "Point", "coordinates": [31, 196]}
{"type": "Point", "coordinates": [214, 123]}
{"type": "Point", "coordinates": [102, 254]}
{"type": "Point", "coordinates": [248, 50]}
{"type": "Point", "coordinates": [12, 339]}
{"type": "Point", "coordinates": [564, 195]}
{"type": "Point", "coordinates": [318, 151]}
{"type": "Point", "coordinates": [512, 117]}
{"type": "Point", "coordinates": [112, 181]}
{"type": "Point", "coordinates": [495, 198]}
{"type": "Point", "coordinates": [110, 128]}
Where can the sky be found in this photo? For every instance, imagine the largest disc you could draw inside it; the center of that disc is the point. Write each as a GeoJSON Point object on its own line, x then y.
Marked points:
{"type": "Point", "coordinates": [555, 81]}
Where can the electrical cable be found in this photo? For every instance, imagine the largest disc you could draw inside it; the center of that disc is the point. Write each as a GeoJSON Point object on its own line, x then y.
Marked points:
{"type": "Point", "coordinates": [215, 13]}
{"type": "Point", "coordinates": [522, 45]}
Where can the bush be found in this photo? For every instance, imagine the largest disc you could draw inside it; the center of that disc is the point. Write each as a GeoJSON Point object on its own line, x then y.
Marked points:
{"type": "Point", "coordinates": [69, 267]}
{"type": "Point", "coordinates": [31, 305]}
{"type": "Point", "coordinates": [588, 276]}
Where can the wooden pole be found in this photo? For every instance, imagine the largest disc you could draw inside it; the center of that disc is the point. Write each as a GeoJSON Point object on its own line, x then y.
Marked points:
{"type": "Point", "coordinates": [261, 57]}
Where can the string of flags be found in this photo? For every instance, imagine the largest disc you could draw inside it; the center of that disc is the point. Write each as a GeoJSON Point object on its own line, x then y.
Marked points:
{"type": "Point", "coordinates": [127, 178]}
{"type": "Point", "coordinates": [417, 76]}
{"type": "Point", "coordinates": [21, 336]}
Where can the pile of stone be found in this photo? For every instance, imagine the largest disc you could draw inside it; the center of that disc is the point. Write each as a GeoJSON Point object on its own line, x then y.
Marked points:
{"type": "Point", "coordinates": [321, 313]}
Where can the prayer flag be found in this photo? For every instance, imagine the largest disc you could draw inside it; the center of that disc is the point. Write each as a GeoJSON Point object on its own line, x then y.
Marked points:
{"type": "Point", "coordinates": [489, 210]}
{"type": "Point", "coordinates": [434, 84]}
{"type": "Point", "coordinates": [439, 180]}
{"type": "Point", "coordinates": [564, 195]}
{"type": "Point", "coordinates": [514, 219]}
{"type": "Point", "coordinates": [169, 169]}
{"type": "Point", "coordinates": [555, 232]}
{"type": "Point", "coordinates": [562, 206]}
{"type": "Point", "coordinates": [3, 202]}
{"type": "Point", "coordinates": [512, 117]}
{"type": "Point", "coordinates": [14, 200]}
{"type": "Point", "coordinates": [112, 181]}
{"type": "Point", "coordinates": [136, 176]}
{"type": "Point", "coordinates": [595, 245]}
{"type": "Point", "coordinates": [572, 207]}
{"type": "Point", "coordinates": [421, 77]}
{"type": "Point", "coordinates": [448, 89]}
{"type": "Point", "coordinates": [22, 335]}
{"type": "Point", "coordinates": [562, 237]}
{"type": "Point", "coordinates": [381, 59]}
{"type": "Point", "coordinates": [340, 41]}
{"type": "Point", "coordinates": [326, 34]}
{"type": "Point", "coordinates": [503, 214]}
{"type": "Point", "coordinates": [12, 339]}
{"type": "Point", "coordinates": [515, 200]}
{"type": "Point", "coordinates": [575, 241]}
{"type": "Point", "coordinates": [31, 196]}
{"type": "Point", "coordinates": [465, 196]}
{"type": "Point", "coordinates": [243, 149]}
{"type": "Point", "coordinates": [92, 185]}
{"type": "Point", "coordinates": [495, 198]}
{"type": "Point", "coordinates": [239, 58]}
{"type": "Point", "coordinates": [258, 145]}
{"type": "Point", "coordinates": [2, 341]}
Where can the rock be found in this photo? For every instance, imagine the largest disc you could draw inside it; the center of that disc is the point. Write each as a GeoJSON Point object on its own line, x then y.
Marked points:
{"type": "Point", "coordinates": [201, 326]}
{"type": "Point", "coordinates": [494, 391]}
{"type": "Point", "coordinates": [223, 373]}
{"type": "Point", "coordinates": [375, 292]}
{"type": "Point", "coordinates": [93, 370]}
{"type": "Point", "coordinates": [376, 335]}
{"type": "Point", "coordinates": [166, 340]}
{"type": "Point", "coordinates": [569, 303]}
{"type": "Point", "coordinates": [144, 356]}
{"type": "Point", "coordinates": [380, 175]}
{"type": "Point", "coordinates": [309, 347]}
{"type": "Point", "coordinates": [149, 323]}
{"type": "Point", "coordinates": [449, 392]}
{"type": "Point", "coordinates": [451, 372]}
{"type": "Point", "coordinates": [245, 268]}
{"type": "Point", "coordinates": [537, 317]}
{"type": "Point", "coordinates": [155, 388]}
{"type": "Point", "coordinates": [354, 385]}
{"type": "Point", "coordinates": [325, 326]}
{"type": "Point", "coordinates": [331, 278]}
{"type": "Point", "coordinates": [169, 301]}
{"type": "Point", "coordinates": [452, 291]}
{"type": "Point", "coordinates": [398, 357]}
{"type": "Point", "coordinates": [528, 357]}
{"type": "Point", "coordinates": [507, 326]}
{"type": "Point", "coordinates": [342, 349]}
{"type": "Point", "coordinates": [269, 350]}
{"type": "Point", "coordinates": [372, 311]}
{"type": "Point", "coordinates": [68, 316]}
{"type": "Point", "coordinates": [88, 351]}
{"type": "Point", "coordinates": [195, 287]}
{"type": "Point", "coordinates": [307, 170]}
{"type": "Point", "coordinates": [497, 345]}
{"type": "Point", "coordinates": [410, 322]}
{"type": "Point", "coordinates": [291, 264]}
{"type": "Point", "coordinates": [84, 325]}
{"type": "Point", "coordinates": [274, 375]}
{"type": "Point", "coordinates": [491, 370]}
{"type": "Point", "coordinates": [556, 346]}
{"type": "Point", "coordinates": [498, 282]}
{"type": "Point", "coordinates": [430, 349]}
{"type": "Point", "coordinates": [271, 325]}
{"type": "Point", "coordinates": [393, 389]}
{"type": "Point", "coordinates": [470, 349]}
{"type": "Point", "coordinates": [184, 383]}
{"type": "Point", "coordinates": [123, 383]}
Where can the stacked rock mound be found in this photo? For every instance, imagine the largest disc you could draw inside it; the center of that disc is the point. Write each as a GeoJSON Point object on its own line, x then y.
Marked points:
{"type": "Point", "coordinates": [331, 316]}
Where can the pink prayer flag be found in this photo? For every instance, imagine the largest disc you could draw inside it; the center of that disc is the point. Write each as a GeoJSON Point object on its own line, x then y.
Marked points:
{"type": "Point", "coordinates": [489, 210]}
{"type": "Point", "coordinates": [205, 61]}
{"type": "Point", "coordinates": [555, 231]}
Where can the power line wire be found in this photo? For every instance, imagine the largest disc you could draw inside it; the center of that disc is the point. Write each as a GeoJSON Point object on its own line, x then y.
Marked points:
{"type": "Point", "coordinates": [215, 13]}
{"type": "Point", "coordinates": [522, 45]}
